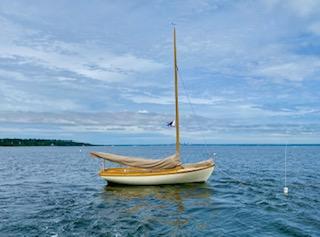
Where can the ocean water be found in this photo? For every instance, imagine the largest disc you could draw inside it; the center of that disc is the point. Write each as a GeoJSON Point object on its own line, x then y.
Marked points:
{"type": "Point", "coordinates": [55, 191]}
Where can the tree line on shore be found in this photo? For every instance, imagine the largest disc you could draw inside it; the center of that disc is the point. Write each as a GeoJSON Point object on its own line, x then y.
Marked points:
{"type": "Point", "coordinates": [40, 142]}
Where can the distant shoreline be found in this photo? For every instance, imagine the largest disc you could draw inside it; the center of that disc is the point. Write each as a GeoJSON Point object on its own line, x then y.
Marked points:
{"type": "Point", "coordinates": [298, 144]}
{"type": "Point", "coordinates": [13, 142]}
{"type": "Point", "coordinates": [40, 142]}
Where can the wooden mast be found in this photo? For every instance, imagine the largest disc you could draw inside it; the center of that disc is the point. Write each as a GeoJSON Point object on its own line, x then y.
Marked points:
{"type": "Point", "coordinates": [176, 93]}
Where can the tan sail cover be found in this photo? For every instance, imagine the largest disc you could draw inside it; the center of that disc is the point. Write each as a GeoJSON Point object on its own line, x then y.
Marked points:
{"type": "Point", "coordinates": [167, 163]}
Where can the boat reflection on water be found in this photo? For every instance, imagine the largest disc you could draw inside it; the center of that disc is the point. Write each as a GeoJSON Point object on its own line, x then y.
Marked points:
{"type": "Point", "coordinates": [165, 204]}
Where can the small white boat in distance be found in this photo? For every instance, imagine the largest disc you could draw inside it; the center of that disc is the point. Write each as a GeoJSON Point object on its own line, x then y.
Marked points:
{"type": "Point", "coordinates": [139, 171]}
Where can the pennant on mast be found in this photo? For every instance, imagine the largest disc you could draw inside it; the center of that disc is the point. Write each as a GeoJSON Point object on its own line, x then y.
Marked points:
{"type": "Point", "coordinates": [172, 123]}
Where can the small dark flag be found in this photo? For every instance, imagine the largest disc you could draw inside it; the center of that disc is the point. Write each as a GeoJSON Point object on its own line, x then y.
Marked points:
{"type": "Point", "coordinates": [171, 124]}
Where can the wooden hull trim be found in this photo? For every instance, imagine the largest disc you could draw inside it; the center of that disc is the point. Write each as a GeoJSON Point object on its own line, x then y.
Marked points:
{"type": "Point", "coordinates": [128, 171]}
{"type": "Point", "coordinates": [189, 176]}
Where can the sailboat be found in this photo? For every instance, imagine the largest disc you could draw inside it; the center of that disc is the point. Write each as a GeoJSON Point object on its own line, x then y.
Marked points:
{"type": "Point", "coordinates": [170, 170]}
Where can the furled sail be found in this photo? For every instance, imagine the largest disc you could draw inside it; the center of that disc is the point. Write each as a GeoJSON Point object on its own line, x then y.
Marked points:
{"type": "Point", "coordinates": [166, 163]}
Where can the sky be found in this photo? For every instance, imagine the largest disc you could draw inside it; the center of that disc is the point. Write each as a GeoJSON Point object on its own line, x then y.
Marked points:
{"type": "Point", "coordinates": [101, 71]}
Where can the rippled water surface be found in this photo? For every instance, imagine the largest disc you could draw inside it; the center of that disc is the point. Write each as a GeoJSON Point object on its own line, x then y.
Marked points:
{"type": "Point", "coordinates": [55, 191]}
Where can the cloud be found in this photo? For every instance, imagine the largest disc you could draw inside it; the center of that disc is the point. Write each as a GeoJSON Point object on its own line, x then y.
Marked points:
{"type": "Point", "coordinates": [304, 7]}
{"type": "Point", "coordinates": [314, 28]}
{"type": "Point", "coordinates": [251, 68]}
{"type": "Point", "coordinates": [301, 8]}
{"type": "Point", "coordinates": [12, 75]}
{"type": "Point", "coordinates": [143, 111]}
{"type": "Point", "coordinates": [27, 47]}
{"type": "Point", "coordinates": [290, 69]}
{"type": "Point", "coordinates": [150, 121]}
{"type": "Point", "coordinates": [169, 100]}
{"type": "Point", "coordinates": [104, 66]}
{"type": "Point", "coordinates": [20, 99]}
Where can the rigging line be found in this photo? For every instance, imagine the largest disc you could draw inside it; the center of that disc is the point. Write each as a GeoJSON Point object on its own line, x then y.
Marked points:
{"type": "Point", "coordinates": [193, 112]}
{"type": "Point", "coordinates": [235, 179]}
{"type": "Point", "coordinates": [285, 188]}
{"type": "Point", "coordinates": [203, 137]}
{"type": "Point", "coordinates": [285, 164]}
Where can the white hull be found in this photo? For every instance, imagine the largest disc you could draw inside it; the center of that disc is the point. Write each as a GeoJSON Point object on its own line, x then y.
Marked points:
{"type": "Point", "coordinates": [201, 175]}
